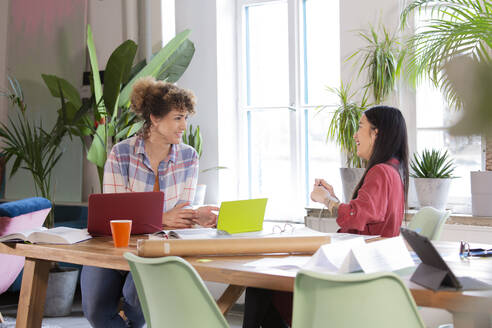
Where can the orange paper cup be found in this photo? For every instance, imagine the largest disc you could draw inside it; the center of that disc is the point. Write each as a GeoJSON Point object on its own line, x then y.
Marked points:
{"type": "Point", "coordinates": [120, 229]}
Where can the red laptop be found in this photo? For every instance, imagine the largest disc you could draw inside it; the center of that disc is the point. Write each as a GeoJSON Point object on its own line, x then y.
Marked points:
{"type": "Point", "coordinates": [143, 208]}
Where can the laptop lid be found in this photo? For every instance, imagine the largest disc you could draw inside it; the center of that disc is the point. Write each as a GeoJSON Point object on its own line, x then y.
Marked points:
{"type": "Point", "coordinates": [143, 208]}
{"type": "Point", "coordinates": [433, 272]}
{"type": "Point", "coordinates": [242, 215]}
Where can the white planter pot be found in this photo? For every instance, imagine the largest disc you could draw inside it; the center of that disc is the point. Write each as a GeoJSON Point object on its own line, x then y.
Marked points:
{"type": "Point", "coordinates": [481, 193]}
{"type": "Point", "coordinates": [199, 199]}
{"type": "Point", "coordinates": [60, 291]}
{"type": "Point", "coordinates": [350, 179]}
{"type": "Point", "coordinates": [432, 192]}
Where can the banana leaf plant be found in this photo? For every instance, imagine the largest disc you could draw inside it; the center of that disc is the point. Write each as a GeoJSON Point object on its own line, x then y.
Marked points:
{"type": "Point", "coordinates": [107, 117]}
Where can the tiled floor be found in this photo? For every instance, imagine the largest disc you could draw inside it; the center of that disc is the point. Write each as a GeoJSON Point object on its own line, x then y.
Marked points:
{"type": "Point", "coordinates": [8, 308]}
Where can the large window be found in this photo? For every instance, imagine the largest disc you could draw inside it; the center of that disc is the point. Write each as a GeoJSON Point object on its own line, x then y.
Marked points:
{"type": "Point", "coordinates": [289, 53]}
{"type": "Point", "coordinates": [433, 118]}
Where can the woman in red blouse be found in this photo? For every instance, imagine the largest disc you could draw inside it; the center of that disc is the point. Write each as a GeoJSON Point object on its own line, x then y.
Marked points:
{"type": "Point", "coordinates": [378, 203]}
{"type": "Point", "coordinates": [377, 206]}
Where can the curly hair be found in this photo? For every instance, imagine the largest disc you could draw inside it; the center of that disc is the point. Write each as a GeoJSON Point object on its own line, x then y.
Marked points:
{"type": "Point", "coordinates": [158, 98]}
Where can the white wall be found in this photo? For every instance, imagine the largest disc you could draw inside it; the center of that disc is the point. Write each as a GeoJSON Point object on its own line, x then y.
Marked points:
{"type": "Point", "coordinates": [211, 76]}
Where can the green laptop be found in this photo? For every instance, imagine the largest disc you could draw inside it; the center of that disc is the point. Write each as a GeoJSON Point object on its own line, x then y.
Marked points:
{"type": "Point", "coordinates": [241, 215]}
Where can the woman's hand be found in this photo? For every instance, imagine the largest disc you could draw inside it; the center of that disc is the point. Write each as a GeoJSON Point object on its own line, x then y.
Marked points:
{"type": "Point", "coordinates": [206, 217]}
{"type": "Point", "coordinates": [322, 192]}
{"type": "Point", "coordinates": [179, 217]}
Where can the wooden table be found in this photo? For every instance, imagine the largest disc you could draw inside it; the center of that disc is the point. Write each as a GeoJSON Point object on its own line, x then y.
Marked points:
{"type": "Point", "coordinates": [470, 309]}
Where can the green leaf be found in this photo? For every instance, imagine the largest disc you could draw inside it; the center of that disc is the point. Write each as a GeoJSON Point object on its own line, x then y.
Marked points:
{"type": "Point", "coordinates": [137, 68]}
{"type": "Point", "coordinates": [153, 68]}
{"type": "Point", "coordinates": [97, 150]}
{"type": "Point", "coordinates": [94, 66]}
{"type": "Point", "coordinates": [177, 64]}
{"type": "Point", "coordinates": [117, 72]}
{"type": "Point", "coordinates": [69, 91]}
{"type": "Point", "coordinates": [129, 131]}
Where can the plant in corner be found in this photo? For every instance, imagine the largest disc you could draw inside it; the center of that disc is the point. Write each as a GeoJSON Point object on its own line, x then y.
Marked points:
{"type": "Point", "coordinates": [344, 124]}
{"type": "Point", "coordinates": [31, 146]}
{"type": "Point", "coordinates": [432, 173]}
{"type": "Point", "coordinates": [452, 49]}
{"type": "Point", "coordinates": [382, 59]}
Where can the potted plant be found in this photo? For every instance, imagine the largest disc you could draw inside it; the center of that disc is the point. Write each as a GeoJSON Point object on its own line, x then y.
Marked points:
{"type": "Point", "coordinates": [106, 118]}
{"type": "Point", "coordinates": [382, 59]}
{"type": "Point", "coordinates": [344, 124]}
{"type": "Point", "coordinates": [432, 173]}
{"type": "Point", "coordinates": [32, 147]}
{"type": "Point", "coordinates": [38, 150]}
{"type": "Point", "coordinates": [457, 29]}
{"type": "Point", "coordinates": [193, 138]}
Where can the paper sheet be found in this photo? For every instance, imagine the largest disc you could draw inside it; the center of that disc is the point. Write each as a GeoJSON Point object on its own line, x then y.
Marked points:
{"type": "Point", "coordinates": [282, 263]}
{"type": "Point", "coordinates": [336, 257]}
{"type": "Point", "coordinates": [384, 255]}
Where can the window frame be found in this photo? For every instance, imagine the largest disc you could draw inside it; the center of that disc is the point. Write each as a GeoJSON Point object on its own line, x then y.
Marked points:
{"type": "Point", "coordinates": [296, 116]}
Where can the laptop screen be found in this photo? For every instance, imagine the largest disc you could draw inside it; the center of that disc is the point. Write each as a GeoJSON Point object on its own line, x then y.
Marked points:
{"type": "Point", "coordinates": [143, 208]}
{"type": "Point", "coordinates": [242, 215]}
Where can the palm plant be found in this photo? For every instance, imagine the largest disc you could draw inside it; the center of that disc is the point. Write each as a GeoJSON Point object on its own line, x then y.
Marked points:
{"type": "Point", "coordinates": [432, 165]}
{"type": "Point", "coordinates": [382, 59]}
{"type": "Point", "coordinates": [345, 123]}
{"type": "Point", "coordinates": [31, 146]}
{"type": "Point", "coordinates": [107, 117]}
{"type": "Point", "coordinates": [454, 28]}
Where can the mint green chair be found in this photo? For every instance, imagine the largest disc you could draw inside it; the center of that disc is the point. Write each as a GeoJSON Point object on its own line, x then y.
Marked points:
{"type": "Point", "coordinates": [172, 293]}
{"type": "Point", "coordinates": [429, 222]}
{"type": "Point", "coordinates": [377, 300]}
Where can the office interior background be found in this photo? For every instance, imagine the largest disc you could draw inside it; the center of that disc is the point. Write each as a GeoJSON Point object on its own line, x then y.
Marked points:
{"type": "Point", "coordinates": [259, 73]}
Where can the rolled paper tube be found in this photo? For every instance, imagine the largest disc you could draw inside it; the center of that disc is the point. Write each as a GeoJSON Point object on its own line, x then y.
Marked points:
{"type": "Point", "coordinates": [229, 246]}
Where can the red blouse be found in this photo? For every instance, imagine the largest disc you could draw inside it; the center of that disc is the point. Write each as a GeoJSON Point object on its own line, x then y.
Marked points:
{"type": "Point", "coordinates": [379, 206]}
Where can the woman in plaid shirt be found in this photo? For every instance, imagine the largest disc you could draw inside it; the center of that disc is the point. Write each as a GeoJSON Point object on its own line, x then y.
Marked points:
{"type": "Point", "coordinates": [153, 160]}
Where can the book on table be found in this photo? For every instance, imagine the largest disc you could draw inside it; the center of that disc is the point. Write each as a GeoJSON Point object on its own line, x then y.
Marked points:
{"type": "Point", "coordinates": [58, 235]}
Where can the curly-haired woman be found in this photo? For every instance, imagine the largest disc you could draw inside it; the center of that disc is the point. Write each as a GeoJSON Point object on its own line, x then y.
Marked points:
{"type": "Point", "coordinates": [153, 160]}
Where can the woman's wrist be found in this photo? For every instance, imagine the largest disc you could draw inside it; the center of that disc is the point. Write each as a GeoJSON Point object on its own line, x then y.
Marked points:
{"type": "Point", "coordinates": [331, 204]}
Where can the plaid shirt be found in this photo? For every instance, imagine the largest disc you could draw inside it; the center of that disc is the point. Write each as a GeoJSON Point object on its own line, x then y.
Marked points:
{"type": "Point", "coordinates": [128, 169]}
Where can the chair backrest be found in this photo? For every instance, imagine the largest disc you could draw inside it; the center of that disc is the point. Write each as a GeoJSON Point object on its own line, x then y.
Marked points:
{"type": "Point", "coordinates": [353, 300]}
{"type": "Point", "coordinates": [172, 293]}
{"type": "Point", "coordinates": [16, 216]}
{"type": "Point", "coordinates": [429, 222]}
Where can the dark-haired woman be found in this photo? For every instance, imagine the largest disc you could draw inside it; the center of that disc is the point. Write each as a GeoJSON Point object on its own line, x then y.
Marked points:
{"type": "Point", "coordinates": [377, 206]}
{"type": "Point", "coordinates": [153, 160]}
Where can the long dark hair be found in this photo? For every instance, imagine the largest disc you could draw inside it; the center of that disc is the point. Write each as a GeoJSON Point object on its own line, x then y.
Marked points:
{"type": "Point", "coordinates": [391, 141]}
